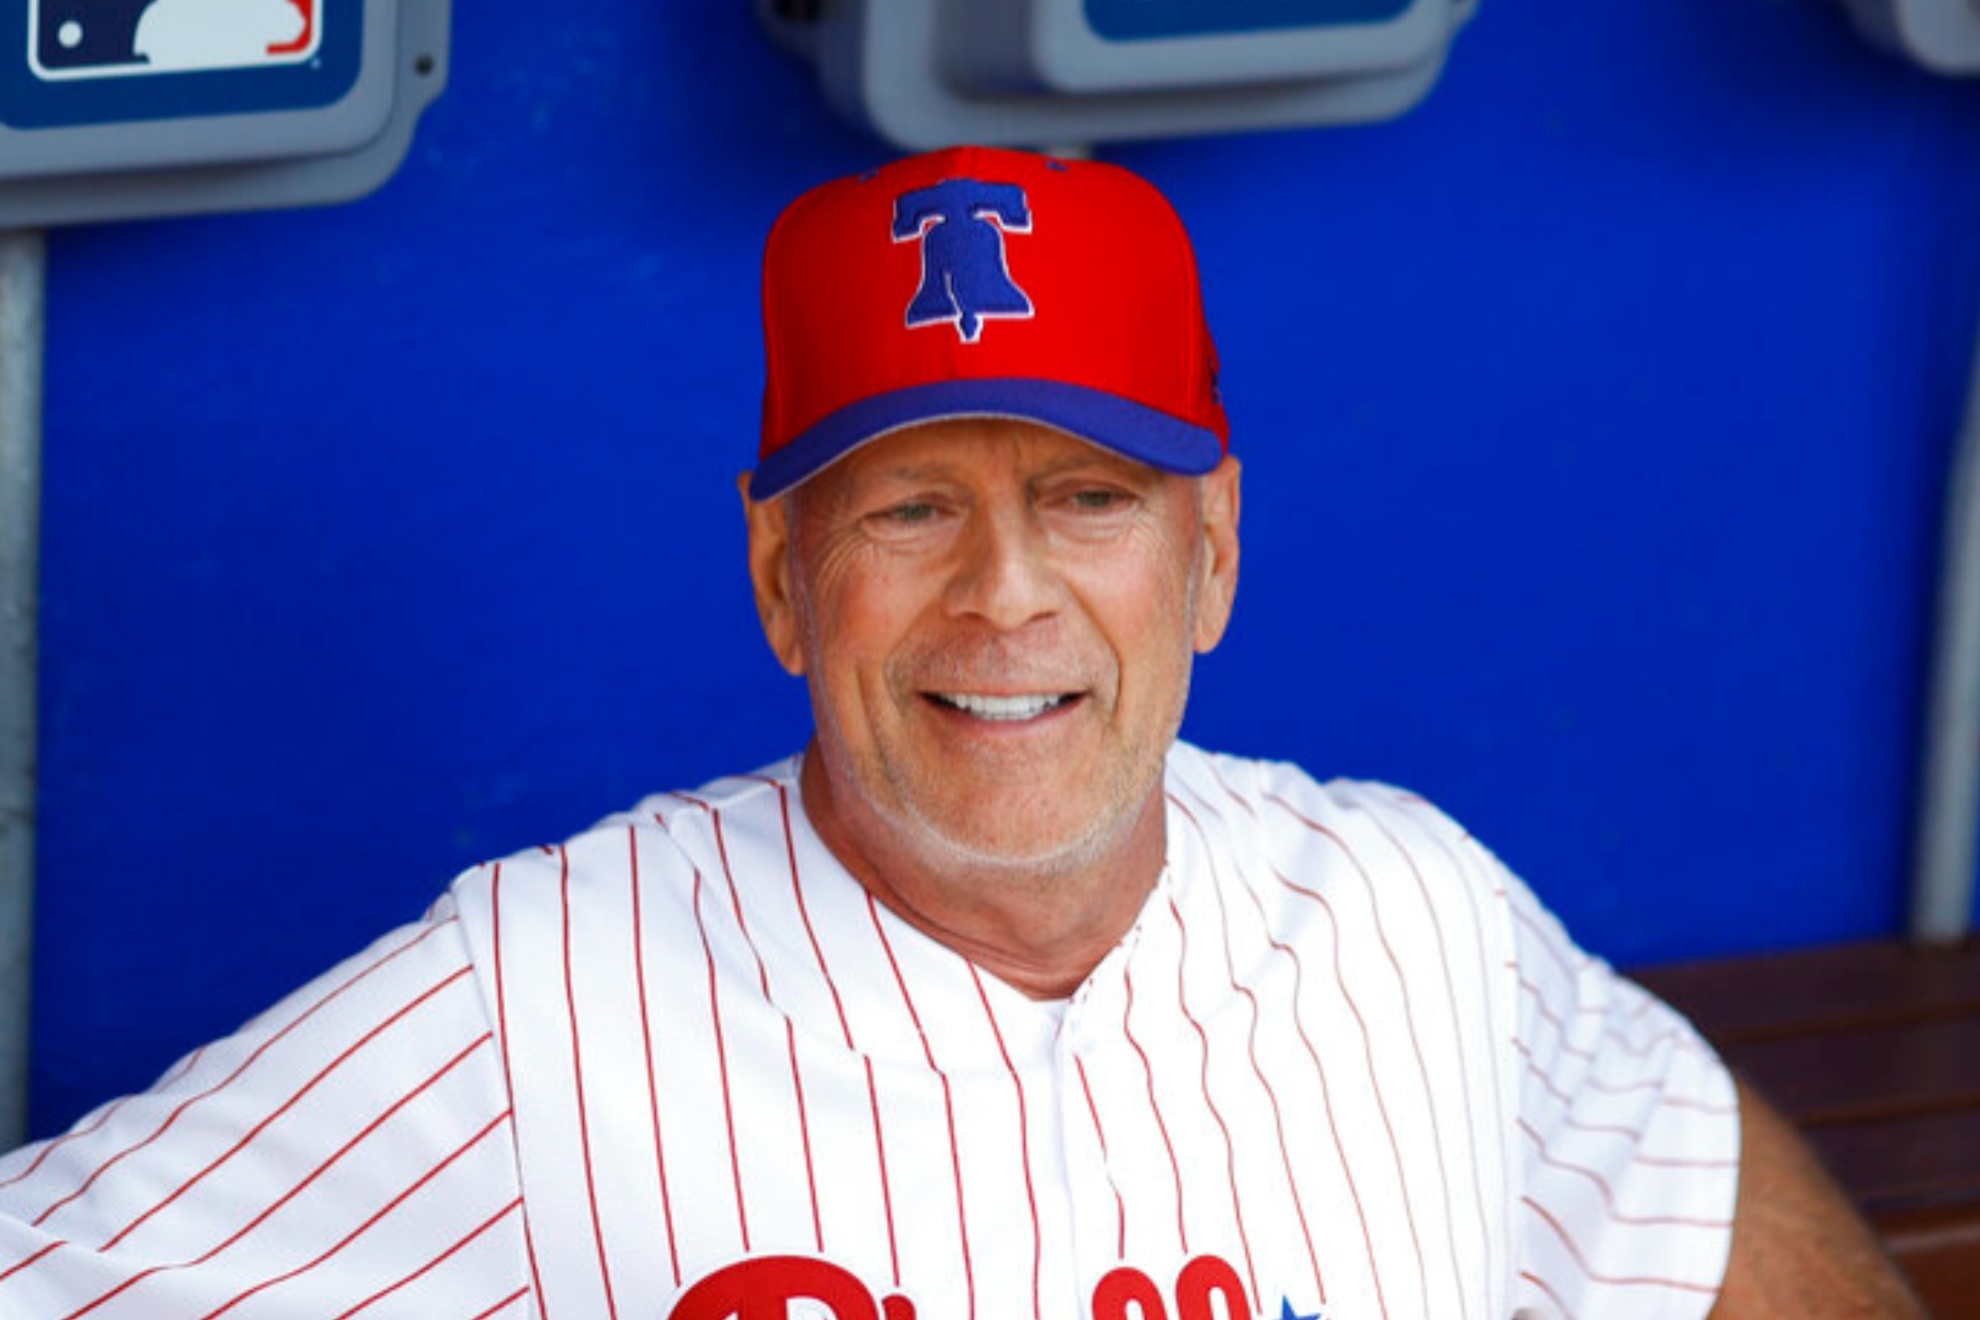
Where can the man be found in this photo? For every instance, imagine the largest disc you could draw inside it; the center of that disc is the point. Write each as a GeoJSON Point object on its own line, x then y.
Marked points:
{"type": "Point", "coordinates": [998, 1001]}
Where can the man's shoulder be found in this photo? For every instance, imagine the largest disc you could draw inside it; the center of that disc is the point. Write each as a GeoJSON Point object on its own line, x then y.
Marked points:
{"type": "Point", "coordinates": [668, 834]}
{"type": "Point", "coordinates": [730, 793]}
{"type": "Point", "coordinates": [1259, 786]}
{"type": "Point", "coordinates": [1242, 815]}
{"type": "Point", "coordinates": [1377, 875]}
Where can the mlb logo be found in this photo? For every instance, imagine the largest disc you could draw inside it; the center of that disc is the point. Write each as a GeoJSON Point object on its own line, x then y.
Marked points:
{"type": "Point", "coordinates": [88, 39]}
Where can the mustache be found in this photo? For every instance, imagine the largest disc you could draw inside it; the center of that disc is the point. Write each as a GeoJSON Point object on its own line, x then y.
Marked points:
{"type": "Point", "coordinates": [994, 662]}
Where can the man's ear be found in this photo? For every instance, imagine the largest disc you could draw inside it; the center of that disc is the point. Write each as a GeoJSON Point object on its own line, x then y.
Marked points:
{"type": "Point", "coordinates": [1216, 590]}
{"type": "Point", "coordinates": [770, 576]}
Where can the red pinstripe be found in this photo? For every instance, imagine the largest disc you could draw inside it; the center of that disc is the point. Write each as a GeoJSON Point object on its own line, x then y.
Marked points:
{"type": "Point", "coordinates": [1674, 1036]}
{"type": "Point", "coordinates": [948, 1099]}
{"type": "Point", "coordinates": [504, 1304]}
{"type": "Point", "coordinates": [698, 804]}
{"type": "Point", "coordinates": [1552, 1296]}
{"type": "Point", "coordinates": [75, 1134]}
{"type": "Point", "coordinates": [18, 1267]}
{"type": "Point", "coordinates": [1677, 1037]}
{"type": "Point", "coordinates": [1216, 1115]}
{"type": "Point", "coordinates": [646, 1038]}
{"type": "Point", "coordinates": [438, 1260]}
{"type": "Point", "coordinates": [273, 1208]}
{"type": "Point", "coordinates": [577, 1082]}
{"type": "Point", "coordinates": [1695, 1106]}
{"type": "Point", "coordinates": [1595, 1083]}
{"type": "Point", "coordinates": [790, 1032]}
{"type": "Point", "coordinates": [284, 1107]}
{"type": "Point", "coordinates": [1313, 1054]}
{"type": "Point", "coordinates": [1417, 808]}
{"type": "Point", "coordinates": [1570, 967]}
{"type": "Point", "coordinates": [502, 1031]}
{"type": "Point", "coordinates": [231, 1077]}
{"type": "Point", "coordinates": [1548, 1158]}
{"type": "Point", "coordinates": [1374, 1078]}
{"type": "Point", "coordinates": [1548, 1085]}
{"type": "Point", "coordinates": [1251, 1046]}
{"type": "Point", "coordinates": [1148, 1072]}
{"type": "Point", "coordinates": [103, 1116]}
{"type": "Point", "coordinates": [1368, 1053]}
{"type": "Point", "coordinates": [1642, 1009]}
{"type": "Point", "coordinates": [1367, 1047]}
{"type": "Point", "coordinates": [1120, 1207]}
{"type": "Point", "coordinates": [1661, 1162]}
{"type": "Point", "coordinates": [1547, 1082]}
{"type": "Point", "coordinates": [1464, 1056]}
{"type": "Point", "coordinates": [722, 1066]}
{"type": "Point", "coordinates": [1024, 1147]}
{"type": "Point", "coordinates": [1630, 1134]}
{"type": "Point", "coordinates": [845, 1031]}
{"type": "Point", "coordinates": [1632, 1281]}
{"type": "Point", "coordinates": [367, 1225]}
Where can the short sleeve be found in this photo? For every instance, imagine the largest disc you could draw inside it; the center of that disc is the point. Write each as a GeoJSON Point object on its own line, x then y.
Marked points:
{"type": "Point", "coordinates": [348, 1152]}
{"type": "Point", "coordinates": [1629, 1128]}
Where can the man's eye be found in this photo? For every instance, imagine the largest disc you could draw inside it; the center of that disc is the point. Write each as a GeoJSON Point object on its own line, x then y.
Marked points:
{"type": "Point", "coordinates": [910, 514]}
{"type": "Point", "coordinates": [1098, 500]}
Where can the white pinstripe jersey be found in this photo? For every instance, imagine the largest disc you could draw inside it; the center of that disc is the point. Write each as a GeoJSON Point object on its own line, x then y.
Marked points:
{"type": "Point", "coordinates": [684, 1067]}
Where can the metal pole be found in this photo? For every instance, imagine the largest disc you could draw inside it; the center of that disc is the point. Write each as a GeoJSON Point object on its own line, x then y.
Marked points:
{"type": "Point", "coordinates": [1942, 881]}
{"type": "Point", "coordinates": [23, 303]}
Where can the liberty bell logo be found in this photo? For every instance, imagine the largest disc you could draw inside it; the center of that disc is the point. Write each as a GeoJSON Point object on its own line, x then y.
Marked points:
{"type": "Point", "coordinates": [965, 279]}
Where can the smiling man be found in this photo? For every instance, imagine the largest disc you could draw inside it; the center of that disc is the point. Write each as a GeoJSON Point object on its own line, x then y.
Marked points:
{"type": "Point", "coordinates": [998, 1000]}
{"type": "Point", "coordinates": [997, 621]}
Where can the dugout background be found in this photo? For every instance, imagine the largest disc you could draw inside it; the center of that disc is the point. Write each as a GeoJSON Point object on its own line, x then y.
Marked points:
{"type": "Point", "coordinates": [1596, 417]}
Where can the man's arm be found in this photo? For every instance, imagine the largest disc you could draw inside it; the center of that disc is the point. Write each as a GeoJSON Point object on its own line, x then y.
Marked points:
{"type": "Point", "coordinates": [1799, 1249]}
{"type": "Point", "coordinates": [352, 1144]}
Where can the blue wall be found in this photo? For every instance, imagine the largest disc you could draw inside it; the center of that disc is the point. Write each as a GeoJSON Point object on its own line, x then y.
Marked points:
{"type": "Point", "coordinates": [1595, 417]}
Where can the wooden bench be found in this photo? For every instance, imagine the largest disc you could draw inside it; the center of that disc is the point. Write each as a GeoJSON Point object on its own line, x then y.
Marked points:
{"type": "Point", "coordinates": [1874, 1051]}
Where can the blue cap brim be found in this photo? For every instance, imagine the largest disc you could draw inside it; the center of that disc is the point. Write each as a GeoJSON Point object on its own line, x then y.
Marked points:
{"type": "Point", "coordinates": [1128, 428]}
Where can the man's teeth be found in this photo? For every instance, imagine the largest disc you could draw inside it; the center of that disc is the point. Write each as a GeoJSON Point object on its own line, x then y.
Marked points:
{"type": "Point", "coordinates": [1002, 708]}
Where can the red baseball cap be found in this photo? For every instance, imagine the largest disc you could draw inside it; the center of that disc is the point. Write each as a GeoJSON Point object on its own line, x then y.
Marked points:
{"type": "Point", "coordinates": [975, 282]}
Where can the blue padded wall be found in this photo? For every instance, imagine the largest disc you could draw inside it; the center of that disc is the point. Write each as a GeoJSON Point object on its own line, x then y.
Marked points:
{"type": "Point", "coordinates": [1596, 417]}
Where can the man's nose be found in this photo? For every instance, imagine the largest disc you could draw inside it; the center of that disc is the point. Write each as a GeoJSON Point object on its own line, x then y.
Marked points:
{"type": "Point", "coordinates": [1004, 572]}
